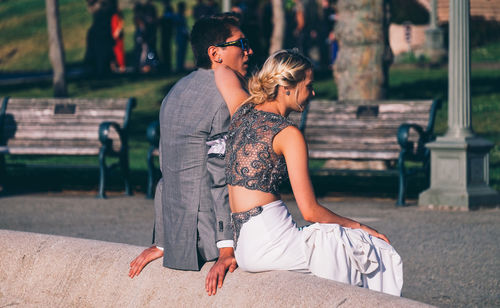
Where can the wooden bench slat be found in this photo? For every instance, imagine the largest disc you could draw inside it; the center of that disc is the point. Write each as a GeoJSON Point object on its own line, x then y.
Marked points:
{"type": "Point", "coordinates": [385, 146]}
{"type": "Point", "coordinates": [74, 121]}
{"type": "Point", "coordinates": [404, 108]}
{"type": "Point", "coordinates": [81, 116]}
{"type": "Point", "coordinates": [98, 103]}
{"type": "Point", "coordinates": [353, 155]}
{"type": "Point", "coordinates": [358, 125]}
{"type": "Point", "coordinates": [52, 126]}
{"type": "Point", "coordinates": [30, 113]}
{"type": "Point", "coordinates": [312, 132]}
{"type": "Point", "coordinates": [53, 134]}
{"type": "Point", "coordinates": [339, 129]}
{"type": "Point", "coordinates": [50, 110]}
{"type": "Point", "coordinates": [334, 139]}
{"type": "Point", "coordinates": [349, 131]}
{"type": "Point", "coordinates": [61, 142]}
{"type": "Point", "coordinates": [322, 102]}
{"type": "Point", "coordinates": [352, 112]}
{"type": "Point", "coordinates": [54, 142]}
{"type": "Point", "coordinates": [33, 127]}
{"type": "Point", "coordinates": [346, 118]}
{"type": "Point", "coordinates": [43, 150]}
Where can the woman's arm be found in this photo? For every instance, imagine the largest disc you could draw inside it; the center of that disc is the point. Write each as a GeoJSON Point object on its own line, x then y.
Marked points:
{"type": "Point", "coordinates": [231, 87]}
{"type": "Point", "coordinates": [291, 143]}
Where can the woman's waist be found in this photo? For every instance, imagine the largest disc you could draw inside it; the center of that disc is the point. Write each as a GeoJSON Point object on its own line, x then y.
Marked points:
{"type": "Point", "coordinates": [260, 208]}
{"type": "Point", "coordinates": [242, 199]}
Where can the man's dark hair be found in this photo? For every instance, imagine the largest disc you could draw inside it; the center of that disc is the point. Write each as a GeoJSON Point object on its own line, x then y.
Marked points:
{"type": "Point", "coordinates": [210, 31]}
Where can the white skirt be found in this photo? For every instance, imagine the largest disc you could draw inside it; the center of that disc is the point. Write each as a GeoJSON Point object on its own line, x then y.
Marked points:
{"type": "Point", "coordinates": [272, 241]}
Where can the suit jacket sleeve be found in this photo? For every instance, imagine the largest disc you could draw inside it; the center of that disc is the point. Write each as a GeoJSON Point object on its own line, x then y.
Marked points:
{"type": "Point", "coordinates": [216, 166]}
{"type": "Point", "coordinates": [158, 223]}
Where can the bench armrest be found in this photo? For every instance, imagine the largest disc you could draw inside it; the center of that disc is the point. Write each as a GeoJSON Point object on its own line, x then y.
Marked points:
{"type": "Point", "coordinates": [153, 133]}
{"type": "Point", "coordinates": [404, 133]}
{"type": "Point", "coordinates": [104, 129]}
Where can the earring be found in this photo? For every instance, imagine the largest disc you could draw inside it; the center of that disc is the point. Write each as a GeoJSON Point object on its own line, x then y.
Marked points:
{"type": "Point", "coordinates": [287, 92]}
{"type": "Point", "coordinates": [219, 61]}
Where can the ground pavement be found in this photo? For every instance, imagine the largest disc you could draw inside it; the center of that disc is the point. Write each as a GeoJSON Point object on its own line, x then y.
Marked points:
{"type": "Point", "coordinates": [450, 258]}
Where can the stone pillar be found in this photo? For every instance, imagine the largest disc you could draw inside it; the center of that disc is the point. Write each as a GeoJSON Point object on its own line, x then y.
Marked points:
{"type": "Point", "coordinates": [459, 159]}
{"type": "Point", "coordinates": [434, 37]}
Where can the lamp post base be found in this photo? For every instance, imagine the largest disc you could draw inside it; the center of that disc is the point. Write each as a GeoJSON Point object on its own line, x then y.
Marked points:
{"type": "Point", "coordinates": [459, 175]}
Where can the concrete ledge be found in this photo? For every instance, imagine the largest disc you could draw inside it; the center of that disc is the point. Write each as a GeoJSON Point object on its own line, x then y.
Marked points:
{"type": "Point", "coordinates": [38, 270]}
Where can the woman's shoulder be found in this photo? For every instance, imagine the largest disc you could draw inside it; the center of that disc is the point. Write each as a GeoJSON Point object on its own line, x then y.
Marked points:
{"type": "Point", "coordinates": [289, 137]}
{"type": "Point", "coordinates": [244, 109]}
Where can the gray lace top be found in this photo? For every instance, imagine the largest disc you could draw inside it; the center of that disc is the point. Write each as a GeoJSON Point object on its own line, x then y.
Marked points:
{"type": "Point", "coordinates": [250, 159]}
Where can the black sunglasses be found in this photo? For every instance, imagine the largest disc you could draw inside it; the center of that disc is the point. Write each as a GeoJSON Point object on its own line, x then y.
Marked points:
{"type": "Point", "coordinates": [242, 43]}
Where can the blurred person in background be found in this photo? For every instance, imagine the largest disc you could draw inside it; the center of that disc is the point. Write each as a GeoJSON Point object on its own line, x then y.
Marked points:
{"type": "Point", "coordinates": [99, 52]}
{"type": "Point", "coordinates": [181, 36]}
{"type": "Point", "coordinates": [166, 31]}
{"type": "Point", "coordinates": [117, 31]}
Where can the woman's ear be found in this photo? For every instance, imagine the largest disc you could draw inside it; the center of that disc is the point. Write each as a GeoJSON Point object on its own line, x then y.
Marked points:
{"type": "Point", "coordinates": [213, 54]}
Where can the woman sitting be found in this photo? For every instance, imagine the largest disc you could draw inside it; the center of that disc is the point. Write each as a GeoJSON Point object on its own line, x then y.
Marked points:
{"type": "Point", "coordinates": [263, 149]}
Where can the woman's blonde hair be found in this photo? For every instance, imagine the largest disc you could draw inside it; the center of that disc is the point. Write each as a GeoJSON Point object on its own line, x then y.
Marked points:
{"type": "Point", "coordinates": [284, 68]}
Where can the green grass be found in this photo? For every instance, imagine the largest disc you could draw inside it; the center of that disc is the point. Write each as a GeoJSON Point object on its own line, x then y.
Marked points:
{"type": "Point", "coordinates": [23, 43]}
{"type": "Point", "coordinates": [23, 46]}
{"type": "Point", "coordinates": [489, 53]}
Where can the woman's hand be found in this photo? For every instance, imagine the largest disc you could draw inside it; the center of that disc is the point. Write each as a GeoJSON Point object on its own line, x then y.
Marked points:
{"type": "Point", "coordinates": [374, 233]}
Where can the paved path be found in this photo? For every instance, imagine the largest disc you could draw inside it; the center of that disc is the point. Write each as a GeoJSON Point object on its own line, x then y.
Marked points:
{"type": "Point", "coordinates": [451, 259]}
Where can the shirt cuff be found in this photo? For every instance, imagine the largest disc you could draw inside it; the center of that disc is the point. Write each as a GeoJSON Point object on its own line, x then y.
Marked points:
{"type": "Point", "coordinates": [225, 243]}
{"type": "Point", "coordinates": [161, 248]}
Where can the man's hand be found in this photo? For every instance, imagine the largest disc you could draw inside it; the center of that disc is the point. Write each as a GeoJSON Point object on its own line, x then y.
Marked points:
{"type": "Point", "coordinates": [215, 277]}
{"type": "Point", "coordinates": [148, 255]}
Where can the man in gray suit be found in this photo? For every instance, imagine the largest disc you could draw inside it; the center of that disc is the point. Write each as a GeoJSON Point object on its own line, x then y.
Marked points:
{"type": "Point", "coordinates": [192, 223]}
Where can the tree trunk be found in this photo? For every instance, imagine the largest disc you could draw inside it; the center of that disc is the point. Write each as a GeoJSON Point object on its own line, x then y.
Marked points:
{"type": "Point", "coordinates": [362, 65]}
{"type": "Point", "coordinates": [56, 49]}
{"type": "Point", "coordinates": [278, 26]}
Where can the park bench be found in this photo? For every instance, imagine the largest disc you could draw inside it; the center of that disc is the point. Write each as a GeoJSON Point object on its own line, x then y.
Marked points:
{"type": "Point", "coordinates": [374, 136]}
{"type": "Point", "coordinates": [69, 126]}
{"type": "Point", "coordinates": [387, 132]}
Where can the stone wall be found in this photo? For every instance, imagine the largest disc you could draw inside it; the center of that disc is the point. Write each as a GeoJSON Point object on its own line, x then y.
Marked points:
{"type": "Point", "coordinates": [39, 270]}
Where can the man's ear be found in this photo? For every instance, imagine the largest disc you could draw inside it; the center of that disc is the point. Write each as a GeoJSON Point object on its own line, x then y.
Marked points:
{"type": "Point", "coordinates": [213, 54]}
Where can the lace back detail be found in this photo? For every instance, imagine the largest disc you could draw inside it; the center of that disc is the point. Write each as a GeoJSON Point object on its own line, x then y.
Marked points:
{"type": "Point", "coordinates": [250, 159]}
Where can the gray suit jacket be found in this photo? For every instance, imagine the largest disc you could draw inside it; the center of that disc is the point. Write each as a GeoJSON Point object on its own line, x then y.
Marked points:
{"type": "Point", "coordinates": [193, 192]}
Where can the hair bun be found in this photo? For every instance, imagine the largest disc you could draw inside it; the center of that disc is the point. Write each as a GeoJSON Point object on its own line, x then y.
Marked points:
{"type": "Point", "coordinates": [284, 68]}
